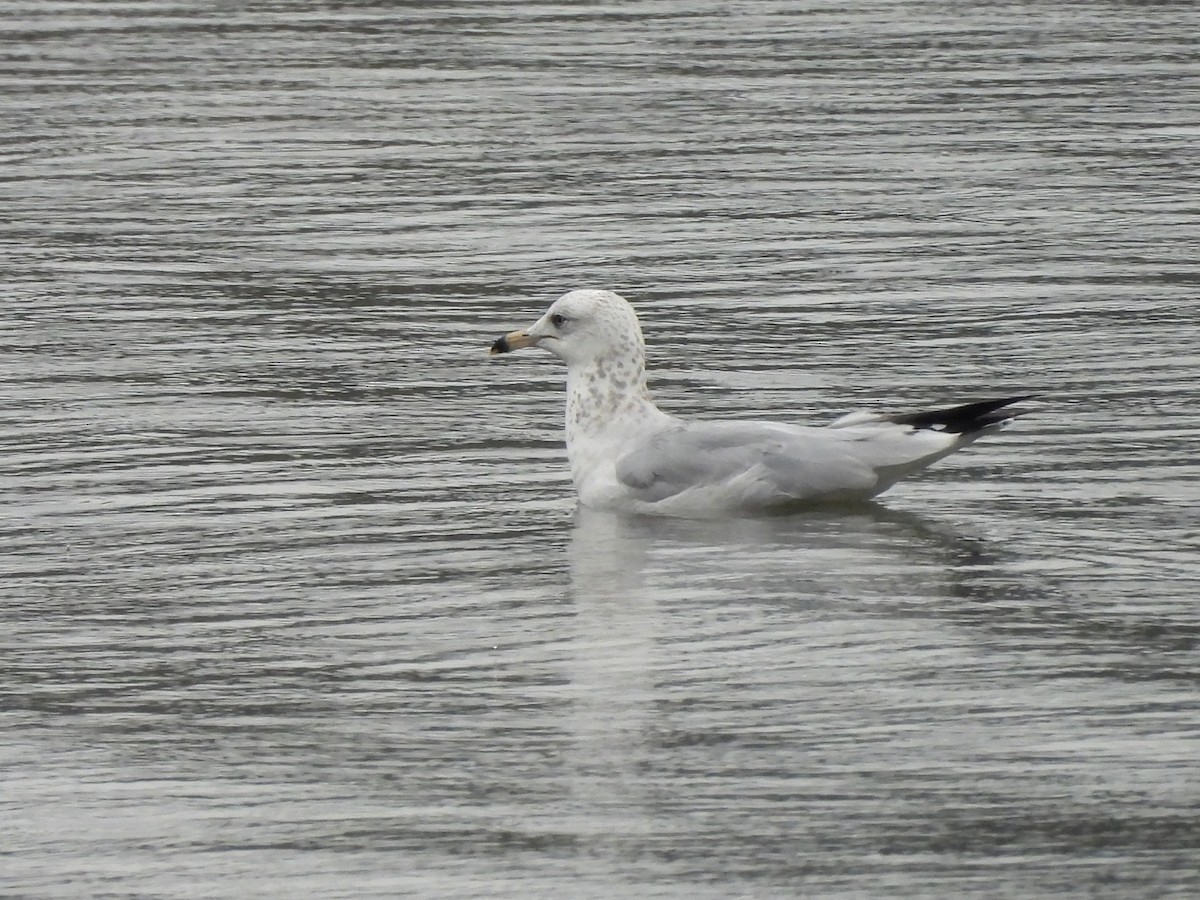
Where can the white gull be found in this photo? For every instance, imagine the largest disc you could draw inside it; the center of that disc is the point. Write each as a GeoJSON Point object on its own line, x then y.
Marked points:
{"type": "Point", "coordinates": [627, 454]}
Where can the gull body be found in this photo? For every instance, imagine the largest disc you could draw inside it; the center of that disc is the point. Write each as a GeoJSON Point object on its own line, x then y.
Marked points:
{"type": "Point", "coordinates": [627, 454]}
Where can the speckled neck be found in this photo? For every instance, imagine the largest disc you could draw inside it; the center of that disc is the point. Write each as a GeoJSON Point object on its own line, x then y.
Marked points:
{"type": "Point", "coordinates": [608, 405]}
{"type": "Point", "coordinates": [600, 389]}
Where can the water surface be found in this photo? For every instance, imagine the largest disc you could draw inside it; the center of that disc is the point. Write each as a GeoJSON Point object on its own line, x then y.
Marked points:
{"type": "Point", "coordinates": [296, 599]}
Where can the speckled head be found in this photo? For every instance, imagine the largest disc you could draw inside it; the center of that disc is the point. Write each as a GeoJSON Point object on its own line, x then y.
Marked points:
{"type": "Point", "coordinates": [581, 328]}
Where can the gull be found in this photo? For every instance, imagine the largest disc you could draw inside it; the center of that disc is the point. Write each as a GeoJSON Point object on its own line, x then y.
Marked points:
{"type": "Point", "coordinates": [627, 454]}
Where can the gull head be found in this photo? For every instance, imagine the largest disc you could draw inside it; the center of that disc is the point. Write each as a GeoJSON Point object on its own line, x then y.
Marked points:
{"type": "Point", "coordinates": [582, 328]}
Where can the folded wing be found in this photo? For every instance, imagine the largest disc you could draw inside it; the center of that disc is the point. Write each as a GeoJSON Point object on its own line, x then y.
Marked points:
{"type": "Point", "coordinates": [751, 463]}
{"type": "Point", "coordinates": [767, 464]}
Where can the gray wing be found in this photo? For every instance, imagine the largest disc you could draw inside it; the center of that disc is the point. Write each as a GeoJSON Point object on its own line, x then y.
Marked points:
{"type": "Point", "coordinates": [764, 462]}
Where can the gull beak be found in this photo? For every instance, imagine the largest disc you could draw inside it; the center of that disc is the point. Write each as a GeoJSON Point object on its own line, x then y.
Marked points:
{"type": "Point", "coordinates": [514, 340]}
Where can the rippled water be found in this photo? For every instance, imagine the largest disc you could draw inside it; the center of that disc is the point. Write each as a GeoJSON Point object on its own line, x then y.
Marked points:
{"type": "Point", "coordinates": [296, 601]}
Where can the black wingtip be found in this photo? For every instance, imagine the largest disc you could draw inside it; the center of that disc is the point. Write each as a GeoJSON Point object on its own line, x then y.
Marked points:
{"type": "Point", "coordinates": [968, 417]}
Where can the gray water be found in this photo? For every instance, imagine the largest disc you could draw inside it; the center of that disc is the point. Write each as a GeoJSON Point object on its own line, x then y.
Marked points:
{"type": "Point", "coordinates": [296, 602]}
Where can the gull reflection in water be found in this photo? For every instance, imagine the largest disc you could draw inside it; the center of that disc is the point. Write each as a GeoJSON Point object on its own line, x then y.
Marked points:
{"type": "Point", "coordinates": [688, 633]}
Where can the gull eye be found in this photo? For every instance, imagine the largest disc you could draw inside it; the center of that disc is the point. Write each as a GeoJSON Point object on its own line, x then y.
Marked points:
{"type": "Point", "coordinates": [558, 320]}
